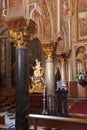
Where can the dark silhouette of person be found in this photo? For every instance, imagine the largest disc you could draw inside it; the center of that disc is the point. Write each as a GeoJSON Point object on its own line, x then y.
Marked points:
{"type": "Point", "coordinates": [61, 90]}
{"type": "Point", "coordinates": [57, 76]}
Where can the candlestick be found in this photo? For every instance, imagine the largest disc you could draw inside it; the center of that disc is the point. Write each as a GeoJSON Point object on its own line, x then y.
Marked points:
{"type": "Point", "coordinates": [44, 112]}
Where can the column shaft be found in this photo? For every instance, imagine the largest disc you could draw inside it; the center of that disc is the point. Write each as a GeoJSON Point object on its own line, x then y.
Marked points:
{"type": "Point", "coordinates": [49, 78]}
{"type": "Point", "coordinates": [22, 90]}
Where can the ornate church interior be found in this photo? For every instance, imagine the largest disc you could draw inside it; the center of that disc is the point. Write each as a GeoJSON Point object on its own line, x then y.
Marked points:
{"type": "Point", "coordinates": [43, 64]}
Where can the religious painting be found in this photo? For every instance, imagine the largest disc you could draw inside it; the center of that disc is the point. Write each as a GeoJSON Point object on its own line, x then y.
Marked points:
{"type": "Point", "coordinates": [80, 58]}
{"type": "Point", "coordinates": [82, 19]}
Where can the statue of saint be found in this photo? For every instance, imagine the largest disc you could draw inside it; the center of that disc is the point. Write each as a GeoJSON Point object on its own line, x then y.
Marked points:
{"type": "Point", "coordinates": [37, 83]}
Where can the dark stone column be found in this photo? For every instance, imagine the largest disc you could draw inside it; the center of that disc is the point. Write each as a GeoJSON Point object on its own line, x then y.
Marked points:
{"type": "Point", "coordinates": [22, 90]}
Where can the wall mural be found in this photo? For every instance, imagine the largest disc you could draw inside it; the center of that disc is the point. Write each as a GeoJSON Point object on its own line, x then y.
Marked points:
{"type": "Point", "coordinates": [37, 18]}
{"type": "Point", "coordinates": [15, 8]}
{"type": "Point", "coordinates": [41, 15]}
{"type": "Point", "coordinates": [80, 57]}
{"type": "Point", "coordinates": [82, 19]}
{"type": "Point", "coordinates": [81, 62]}
{"type": "Point", "coordinates": [47, 31]}
{"type": "Point", "coordinates": [64, 7]}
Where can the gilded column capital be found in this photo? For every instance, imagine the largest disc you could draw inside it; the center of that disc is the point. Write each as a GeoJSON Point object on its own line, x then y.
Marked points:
{"type": "Point", "coordinates": [63, 57]}
{"type": "Point", "coordinates": [48, 47]}
{"type": "Point", "coordinates": [20, 38]}
{"type": "Point", "coordinates": [63, 62]}
{"type": "Point", "coordinates": [21, 30]}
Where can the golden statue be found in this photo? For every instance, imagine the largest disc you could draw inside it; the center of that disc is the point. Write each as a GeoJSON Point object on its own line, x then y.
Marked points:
{"type": "Point", "coordinates": [37, 79]}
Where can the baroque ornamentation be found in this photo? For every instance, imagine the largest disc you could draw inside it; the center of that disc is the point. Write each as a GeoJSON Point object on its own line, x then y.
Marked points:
{"type": "Point", "coordinates": [37, 84]}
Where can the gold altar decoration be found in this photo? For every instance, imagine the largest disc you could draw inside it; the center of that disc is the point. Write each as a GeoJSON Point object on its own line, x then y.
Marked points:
{"type": "Point", "coordinates": [37, 85]}
{"type": "Point", "coordinates": [48, 47]}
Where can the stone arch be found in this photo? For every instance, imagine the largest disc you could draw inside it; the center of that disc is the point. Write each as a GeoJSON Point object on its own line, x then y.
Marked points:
{"type": "Point", "coordinates": [34, 7]}
{"type": "Point", "coordinates": [44, 24]}
{"type": "Point", "coordinates": [35, 13]}
{"type": "Point", "coordinates": [37, 18]}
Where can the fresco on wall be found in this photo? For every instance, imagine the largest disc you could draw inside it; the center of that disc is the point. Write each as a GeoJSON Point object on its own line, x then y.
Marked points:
{"type": "Point", "coordinates": [64, 7]}
{"type": "Point", "coordinates": [14, 8]}
{"type": "Point", "coordinates": [82, 19]}
{"type": "Point", "coordinates": [80, 61]}
{"type": "Point", "coordinates": [38, 21]}
{"type": "Point", "coordinates": [81, 58]}
{"type": "Point", "coordinates": [47, 31]}
{"type": "Point", "coordinates": [13, 3]}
